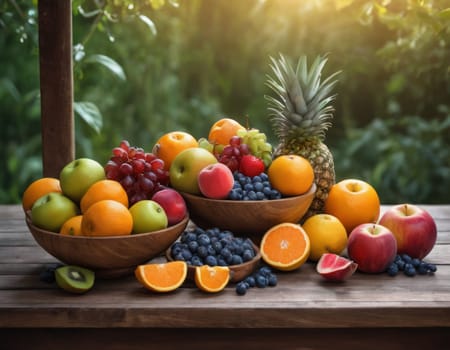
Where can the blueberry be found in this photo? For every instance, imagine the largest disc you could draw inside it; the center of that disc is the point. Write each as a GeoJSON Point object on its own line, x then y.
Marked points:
{"type": "Point", "coordinates": [422, 269]}
{"type": "Point", "coordinates": [410, 272]}
{"type": "Point", "coordinates": [176, 248]}
{"type": "Point", "coordinates": [431, 268]}
{"type": "Point", "coordinates": [392, 270]}
{"type": "Point", "coordinates": [265, 271]}
{"type": "Point", "coordinates": [193, 246]}
{"type": "Point", "coordinates": [48, 273]}
{"type": "Point", "coordinates": [264, 177]}
{"type": "Point", "coordinates": [186, 253]}
{"type": "Point", "coordinates": [415, 262]}
{"type": "Point", "coordinates": [236, 260]}
{"type": "Point", "coordinates": [221, 261]}
{"type": "Point", "coordinates": [408, 266]}
{"type": "Point", "coordinates": [241, 288]}
{"type": "Point", "coordinates": [261, 281]}
{"type": "Point", "coordinates": [273, 280]}
{"type": "Point", "coordinates": [247, 255]}
{"type": "Point", "coordinates": [406, 258]}
{"type": "Point", "coordinates": [211, 250]}
{"type": "Point", "coordinates": [179, 256]}
{"type": "Point", "coordinates": [234, 195]}
{"type": "Point", "coordinates": [217, 246]}
{"type": "Point", "coordinates": [202, 251]}
{"type": "Point", "coordinates": [226, 253]}
{"type": "Point", "coordinates": [248, 187]}
{"type": "Point", "coordinates": [252, 195]}
{"type": "Point", "coordinates": [196, 261]}
{"type": "Point", "coordinates": [260, 196]}
{"type": "Point", "coordinates": [398, 258]}
{"type": "Point", "coordinates": [203, 239]}
{"type": "Point", "coordinates": [189, 237]}
{"type": "Point", "coordinates": [250, 280]}
{"type": "Point", "coordinates": [401, 265]}
{"type": "Point", "coordinates": [211, 260]}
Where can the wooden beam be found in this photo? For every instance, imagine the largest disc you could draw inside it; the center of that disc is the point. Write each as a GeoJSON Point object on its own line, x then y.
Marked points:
{"type": "Point", "coordinates": [56, 83]}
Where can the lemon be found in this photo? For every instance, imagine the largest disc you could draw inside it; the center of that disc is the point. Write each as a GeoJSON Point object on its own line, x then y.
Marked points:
{"type": "Point", "coordinates": [326, 234]}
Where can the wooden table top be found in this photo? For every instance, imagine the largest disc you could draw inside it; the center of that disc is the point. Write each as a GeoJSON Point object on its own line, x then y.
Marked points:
{"type": "Point", "coordinates": [302, 299]}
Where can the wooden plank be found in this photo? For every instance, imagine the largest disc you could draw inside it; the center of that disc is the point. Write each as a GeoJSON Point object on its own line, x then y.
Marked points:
{"type": "Point", "coordinates": [249, 339]}
{"type": "Point", "coordinates": [56, 82]}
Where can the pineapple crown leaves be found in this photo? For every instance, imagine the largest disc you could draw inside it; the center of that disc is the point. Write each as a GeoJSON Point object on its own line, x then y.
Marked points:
{"type": "Point", "coordinates": [302, 105]}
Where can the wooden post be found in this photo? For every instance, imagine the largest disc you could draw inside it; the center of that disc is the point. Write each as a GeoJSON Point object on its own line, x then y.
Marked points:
{"type": "Point", "coordinates": [56, 83]}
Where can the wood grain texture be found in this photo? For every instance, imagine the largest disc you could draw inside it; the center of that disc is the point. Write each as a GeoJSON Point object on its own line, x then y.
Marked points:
{"type": "Point", "coordinates": [302, 309]}
{"type": "Point", "coordinates": [56, 82]}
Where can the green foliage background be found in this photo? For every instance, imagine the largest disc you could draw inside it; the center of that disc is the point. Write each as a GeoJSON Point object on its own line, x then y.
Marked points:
{"type": "Point", "coordinates": [144, 68]}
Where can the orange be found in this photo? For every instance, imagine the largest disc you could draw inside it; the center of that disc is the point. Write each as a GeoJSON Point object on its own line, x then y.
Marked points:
{"type": "Point", "coordinates": [39, 188]}
{"type": "Point", "coordinates": [212, 279]}
{"type": "Point", "coordinates": [107, 218]}
{"type": "Point", "coordinates": [164, 277]}
{"type": "Point", "coordinates": [285, 246]}
{"type": "Point", "coordinates": [291, 175]}
{"type": "Point", "coordinates": [353, 202]}
{"type": "Point", "coordinates": [103, 189]}
{"type": "Point", "coordinates": [72, 227]}
{"type": "Point", "coordinates": [223, 130]}
{"type": "Point", "coordinates": [169, 145]}
{"type": "Point", "coordinates": [326, 235]}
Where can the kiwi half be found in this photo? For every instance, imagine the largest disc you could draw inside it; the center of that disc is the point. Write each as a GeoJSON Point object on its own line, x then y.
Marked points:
{"type": "Point", "coordinates": [74, 279]}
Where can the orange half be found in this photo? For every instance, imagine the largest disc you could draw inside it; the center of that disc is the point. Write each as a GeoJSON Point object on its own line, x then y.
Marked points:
{"type": "Point", "coordinates": [285, 246]}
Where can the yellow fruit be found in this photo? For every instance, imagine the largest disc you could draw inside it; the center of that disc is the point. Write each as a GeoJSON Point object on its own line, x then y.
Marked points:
{"type": "Point", "coordinates": [326, 235]}
{"type": "Point", "coordinates": [285, 246]}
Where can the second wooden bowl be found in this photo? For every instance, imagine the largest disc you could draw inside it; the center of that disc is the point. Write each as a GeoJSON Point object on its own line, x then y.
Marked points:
{"type": "Point", "coordinates": [247, 218]}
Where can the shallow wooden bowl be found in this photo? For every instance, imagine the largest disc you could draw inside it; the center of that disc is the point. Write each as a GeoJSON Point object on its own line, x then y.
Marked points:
{"type": "Point", "coordinates": [109, 257]}
{"type": "Point", "coordinates": [247, 218]}
{"type": "Point", "coordinates": [237, 272]}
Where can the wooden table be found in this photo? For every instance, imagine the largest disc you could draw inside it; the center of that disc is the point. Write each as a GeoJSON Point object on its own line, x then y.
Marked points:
{"type": "Point", "coordinates": [301, 312]}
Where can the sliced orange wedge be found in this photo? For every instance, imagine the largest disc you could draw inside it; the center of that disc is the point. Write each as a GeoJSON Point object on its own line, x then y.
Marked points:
{"type": "Point", "coordinates": [212, 279]}
{"type": "Point", "coordinates": [163, 277]}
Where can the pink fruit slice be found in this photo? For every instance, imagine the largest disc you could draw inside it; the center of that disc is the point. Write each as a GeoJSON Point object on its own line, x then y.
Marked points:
{"type": "Point", "coordinates": [335, 268]}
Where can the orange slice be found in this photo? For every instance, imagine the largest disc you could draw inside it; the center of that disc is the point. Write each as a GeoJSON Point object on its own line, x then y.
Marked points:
{"type": "Point", "coordinates": [285, 246]}
{"type": "Point", "coordinates": [212, 279]}
{"type": "Point", "coordinates": [164, 277]}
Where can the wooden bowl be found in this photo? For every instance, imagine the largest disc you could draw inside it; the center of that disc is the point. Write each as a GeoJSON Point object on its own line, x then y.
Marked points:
{"type": "Point", "coordinates": [109, 257]}
{"type": "Point", "coordinates": [247, 218]}
{"type": "Point", "coordinates": [237, 272]}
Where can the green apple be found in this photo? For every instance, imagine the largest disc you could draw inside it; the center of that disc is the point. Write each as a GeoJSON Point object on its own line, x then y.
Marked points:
{"type": "Point", "coordinates": [186, 166]}
{"type": "Point", "coordinates": [77, 176]}
{"type": "Point", "coordinates": [52, 210]}
{"type": "Point", "coordinates": [148, 216]}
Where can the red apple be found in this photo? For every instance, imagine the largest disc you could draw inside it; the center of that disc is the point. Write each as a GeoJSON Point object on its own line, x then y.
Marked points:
{"type": "Point", "coordinates": [373, 247]}
{"type": "Point", "coordinates": [215, 181]}
{"type": "Point", "coordinates": [251, 165]}
{"type": "Point", "coordinates": [413, 228]}
{"type": "Point", "coordinates": [173, 204]}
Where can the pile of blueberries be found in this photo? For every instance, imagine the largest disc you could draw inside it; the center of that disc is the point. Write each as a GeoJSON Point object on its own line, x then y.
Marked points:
{"type": "Point", "coordinates": [254, 188]}
{"type": "Point", "coordinates": [410, 266]}
{"type": "Point", "coordinates": [262, 278]}
{"type": "Point", "coordinates": [213, 247]}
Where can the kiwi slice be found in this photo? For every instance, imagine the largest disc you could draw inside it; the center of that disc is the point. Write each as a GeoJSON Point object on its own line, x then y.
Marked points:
{"type": "Point", "coordinates": [74, 279]}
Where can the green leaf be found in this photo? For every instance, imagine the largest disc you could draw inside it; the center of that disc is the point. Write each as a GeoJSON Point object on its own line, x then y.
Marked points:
{"type": "Point", "coordinates": [109, 63]}
{"type": "Point", "coordinates": [90, 113]}
{"type": "Point", "coordinates": [149, 23]}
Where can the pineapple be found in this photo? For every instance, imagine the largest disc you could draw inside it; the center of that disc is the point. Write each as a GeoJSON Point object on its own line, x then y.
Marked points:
{"type": "Point", "coordinates": [301, 113]}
